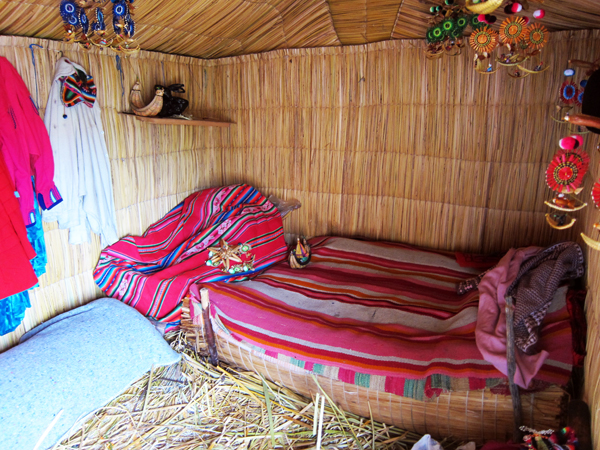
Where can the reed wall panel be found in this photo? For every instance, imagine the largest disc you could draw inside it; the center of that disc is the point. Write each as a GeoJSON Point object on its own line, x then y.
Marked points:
{"type": "Point", "coordinates": [418, 150]}
{"type": "Point", "coordinates": [374, 140]}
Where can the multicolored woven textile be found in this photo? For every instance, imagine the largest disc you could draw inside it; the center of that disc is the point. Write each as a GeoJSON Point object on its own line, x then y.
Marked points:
{"type": "Point", "coordinates": [381, 315]}
{"type": "Point", "coordinates": [77, 88]}
{"type": "Point", "coordinates": [152, 272]}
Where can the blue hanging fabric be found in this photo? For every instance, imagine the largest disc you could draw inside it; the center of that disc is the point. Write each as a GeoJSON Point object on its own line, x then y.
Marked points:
{"type": "Point", "coordinates": [12, 309]}
{"type": "Point", "coordinates": [35, 235]}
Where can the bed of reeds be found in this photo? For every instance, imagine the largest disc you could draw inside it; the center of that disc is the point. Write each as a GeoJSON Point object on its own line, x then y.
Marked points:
{"type": "Point", "coordinates": [194, 405]}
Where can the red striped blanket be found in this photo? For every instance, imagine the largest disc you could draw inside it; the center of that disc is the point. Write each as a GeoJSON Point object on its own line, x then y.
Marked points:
{"type": "Point", "coordinates": [381, 315]}
{"type": "Point", "coordinates": [153, 272]}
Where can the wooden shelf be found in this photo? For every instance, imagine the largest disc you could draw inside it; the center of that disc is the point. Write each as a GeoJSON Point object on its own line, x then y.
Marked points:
{"type": "Point", "coordinates": [173, 121]}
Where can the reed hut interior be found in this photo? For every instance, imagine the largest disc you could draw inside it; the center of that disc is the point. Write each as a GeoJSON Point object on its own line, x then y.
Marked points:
{"type": "Point", "coordinates": [299, 224]}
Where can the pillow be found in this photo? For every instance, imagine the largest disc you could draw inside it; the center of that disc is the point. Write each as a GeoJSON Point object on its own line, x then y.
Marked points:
{"type": "Point", "coordinates": [72, 365]}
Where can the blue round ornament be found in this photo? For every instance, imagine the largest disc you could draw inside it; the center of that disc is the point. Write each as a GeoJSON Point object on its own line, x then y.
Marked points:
{"type": "Point", "coordinates": [569, 72]}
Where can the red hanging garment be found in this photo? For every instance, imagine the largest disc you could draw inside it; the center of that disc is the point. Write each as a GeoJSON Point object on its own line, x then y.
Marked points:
{"type": "Point", "coordinates": [16, 272]}
{"type": "Point", "coordinates": [25, 144]}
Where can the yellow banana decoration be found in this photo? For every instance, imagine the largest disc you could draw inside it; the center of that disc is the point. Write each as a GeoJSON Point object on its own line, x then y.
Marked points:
{"type": "Point", "coordinates": [560, 208]}
{"type": "Point", "coordinates": [589, 241]}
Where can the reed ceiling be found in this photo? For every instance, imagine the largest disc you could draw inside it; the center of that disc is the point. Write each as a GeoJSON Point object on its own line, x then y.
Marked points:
{"type": "Point", "coordinates": [218, 28]}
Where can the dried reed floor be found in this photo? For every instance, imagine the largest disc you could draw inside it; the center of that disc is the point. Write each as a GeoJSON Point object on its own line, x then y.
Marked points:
{"type": "Point", "coordinates": [194, 405]}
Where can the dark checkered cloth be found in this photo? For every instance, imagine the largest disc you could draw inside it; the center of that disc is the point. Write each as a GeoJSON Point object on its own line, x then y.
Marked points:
{"type": "Point", "coordinates": [535, 285]}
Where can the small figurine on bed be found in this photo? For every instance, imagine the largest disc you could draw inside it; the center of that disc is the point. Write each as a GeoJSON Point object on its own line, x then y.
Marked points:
{"type": "Point", "coordinates": [300, 256]}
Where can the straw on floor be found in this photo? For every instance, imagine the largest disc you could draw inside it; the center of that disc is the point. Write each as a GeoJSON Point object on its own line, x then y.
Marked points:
{"type": "Point", "coordinates": [193, 405]}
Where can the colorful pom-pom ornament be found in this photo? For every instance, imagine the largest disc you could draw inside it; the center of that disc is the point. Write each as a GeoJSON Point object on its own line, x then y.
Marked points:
{"type": "Point", "coordinates": [579, 98]}
{"type": "Point", "coordinates": [568, 92]}
{"type": "Point", "coordinates": [583, 83]}
{"type": "Point", "coordinates": [481, 18]}
{"type": "Point", "coordinates": [484, 40]}
{"type": "Point", "coordinates": [526, 19]}
{"type": "Point", "coordinates": [512, 30]}
{"type": "Point", "coordinates": [516, 7]}
{"type": "Point", "coordinates": [565, 173]}
{"type": "Point", "coordinates": [568, 143]}
{"type": "Point", "coordinates": [536, 36]}
{"type": "Point", "coordinates": [569, 72]}
{"type": "Point", "coordinates": [539, 13]}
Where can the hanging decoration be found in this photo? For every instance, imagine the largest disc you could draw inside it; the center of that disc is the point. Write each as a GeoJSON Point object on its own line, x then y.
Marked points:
{"type": "Point", "coordinates": [512, 30]}
{"type": "Point", "coordinates": [564, 175]}
{"type": "Point", "coordinates": [483, 6]}
{"type": "Point", "coordinates": [447, 27]}
{"type": "Point", "coordinates": [79, 30]}
{"type": "Point", "coordinates": [520, 40]}
{"type": "Point", "coordinates": [536, 36]}
{"type": "Point", "coordinates": [569, 105]}
{"type": "Point", "coordinates": [484, 40]}
{"type": "Point", "coordinates": [582, 158]}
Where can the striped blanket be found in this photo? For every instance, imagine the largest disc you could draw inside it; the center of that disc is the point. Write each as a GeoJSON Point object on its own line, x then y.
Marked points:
{"type": "Point", "coordinates": [381, 315]}
{"type": "Point", "coordinates": [153, 272]}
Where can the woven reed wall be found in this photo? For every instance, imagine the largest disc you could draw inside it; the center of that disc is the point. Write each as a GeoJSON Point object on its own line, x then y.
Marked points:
{"type": "Point", "coordinates": [377, 141]}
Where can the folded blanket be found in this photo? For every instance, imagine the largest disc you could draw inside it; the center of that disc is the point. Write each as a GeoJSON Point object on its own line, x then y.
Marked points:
{"type": "Point", "coordinates": [153, 272]}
